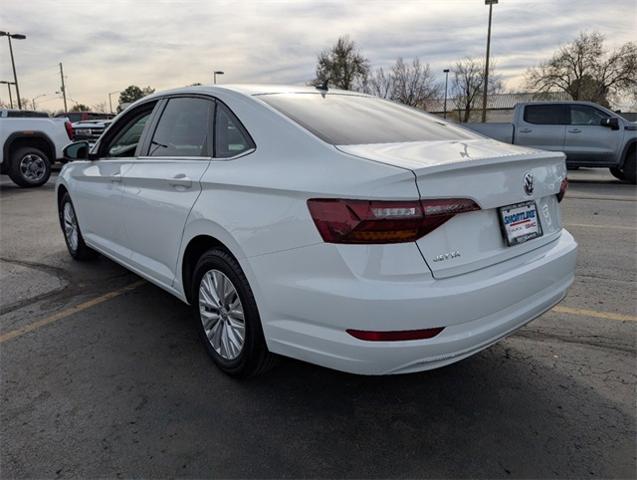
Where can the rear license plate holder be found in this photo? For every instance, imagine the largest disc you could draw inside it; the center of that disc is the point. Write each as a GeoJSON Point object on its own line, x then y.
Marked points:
{"type": "Point", "coordinates": [519, 222]}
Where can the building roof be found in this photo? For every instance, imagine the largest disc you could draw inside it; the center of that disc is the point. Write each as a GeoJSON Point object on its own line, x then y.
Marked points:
{"type": "Point", "coordinates": [500, 101]}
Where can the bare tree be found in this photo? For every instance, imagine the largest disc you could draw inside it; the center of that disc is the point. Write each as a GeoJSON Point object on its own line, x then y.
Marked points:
{"type": "Point", "coordinates": [413, 84]}
{"type": "Point", "coordinates": [343, 66]}
{"type": "Point", "coordinates": [468, 84]}
{"type": "Point", "coordinates": [380, 84]}
{"type": "Point", "coordinates": [100, 107]}
{"type": "Point", "coordinates": [587, 71]}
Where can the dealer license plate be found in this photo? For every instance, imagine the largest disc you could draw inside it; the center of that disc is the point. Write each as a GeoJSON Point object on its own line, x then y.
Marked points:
{"type": "Point", "coordinates": [520, 223]}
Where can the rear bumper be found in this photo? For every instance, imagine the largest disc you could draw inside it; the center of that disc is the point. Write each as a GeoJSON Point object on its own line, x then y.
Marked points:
{"type": "Point", "coordinates": [308, 297]}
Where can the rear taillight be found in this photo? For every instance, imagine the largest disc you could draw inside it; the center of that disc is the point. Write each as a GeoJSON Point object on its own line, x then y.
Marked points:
{"type": "Point", "coordinates": [563, 187]}
{"type": "Point", "coordinates": [380, 221]}
{"type": "Point", "coordinates": [69, 129]}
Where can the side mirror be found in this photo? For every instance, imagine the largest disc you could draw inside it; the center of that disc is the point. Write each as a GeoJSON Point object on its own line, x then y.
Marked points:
{"type": "Point", "coordinates": [612, 123]}
{"type": "Point", "coordinates": [76, 151]}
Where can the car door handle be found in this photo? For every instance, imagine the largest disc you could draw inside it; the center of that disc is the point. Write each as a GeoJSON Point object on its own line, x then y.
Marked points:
{"type": "Point", "coordinates": [526, 130]}
{"type": "Point", "coordinates": [180, 180]}
{"type": "Point", "coordinates": [116, 177]}
{"type": "Point", "coordinates": [575, 130]}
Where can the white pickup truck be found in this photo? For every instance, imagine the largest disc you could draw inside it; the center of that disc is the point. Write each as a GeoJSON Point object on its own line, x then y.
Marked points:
{"type": "Point", "coordinates": [589, 134]}
{"type": "Point", "coordinates": [31, 142]}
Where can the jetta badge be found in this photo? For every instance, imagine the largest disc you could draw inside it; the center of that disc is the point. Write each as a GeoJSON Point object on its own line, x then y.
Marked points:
{"type": "Point", "coordinates": [528, 183]}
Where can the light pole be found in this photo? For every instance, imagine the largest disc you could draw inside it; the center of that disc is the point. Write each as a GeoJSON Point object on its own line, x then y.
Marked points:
{"type": "Point", "coordinates": [446, 70]}
{"type": "Point", "coordinates": [35, 98]}
{"type": "Point", "coordinates": [110, 102]}
{"type": "Point", "coordinates": [9, 87]}
{"type": "Point", "coordinates": [486, 65]}
{"type": "Point", "coordinates": [15, 36]}
{"type": "Point", "coordinates": [214, 76]}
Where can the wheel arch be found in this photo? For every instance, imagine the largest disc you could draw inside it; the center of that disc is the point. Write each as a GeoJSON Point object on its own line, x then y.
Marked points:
{"type": "Point", "coordinates": [28, 138]}
{"type": "Point", "coordinates": [196, 241]}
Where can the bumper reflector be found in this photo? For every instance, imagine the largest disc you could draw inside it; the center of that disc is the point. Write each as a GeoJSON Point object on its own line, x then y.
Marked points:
{"type": "Point", "coordinates": [395, 335]}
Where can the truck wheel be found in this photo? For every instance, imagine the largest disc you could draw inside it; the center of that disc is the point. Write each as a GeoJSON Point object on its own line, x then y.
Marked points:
{"type": "Point", "coordinates": [630, 166]}
{"type": "Point", "coordinates": [617, 173]}
{"type": "Point", "coordinates": [29, 167]}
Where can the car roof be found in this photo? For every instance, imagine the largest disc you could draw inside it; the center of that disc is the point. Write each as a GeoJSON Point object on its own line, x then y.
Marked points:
{"type": "Point", "coordinates": [247, 90]}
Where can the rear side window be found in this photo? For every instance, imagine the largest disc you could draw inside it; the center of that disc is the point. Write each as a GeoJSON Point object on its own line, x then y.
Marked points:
{"type": "Point", "coordinates": [545, 114]}
{"type": "Point", "coordinates": [231, 139]}
{"type": "Point", "coordinates": [183, 129]}
{"type": "Point", "coordinates": [355, 119]}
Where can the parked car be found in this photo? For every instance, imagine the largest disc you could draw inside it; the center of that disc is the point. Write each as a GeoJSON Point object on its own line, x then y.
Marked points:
{"type": "Point", "coordinates": [589, 134]}
{"type": "Point", "coordinates": [90, 130]}
{"type": "Point", "coordinates": [84, 116]}
{"type": "Point", "coordinates": [31, 142]}
{"type": "Point", "coordinates": [328, 226]}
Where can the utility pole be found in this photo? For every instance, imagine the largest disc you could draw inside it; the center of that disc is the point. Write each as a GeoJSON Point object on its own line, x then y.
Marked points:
{"type": "Point", "coordinates": [486, 65]}
{"type": "Point", "coordinates": [16, 36]}
{"type": "Point", "coordinates": [446, 70]}
{"type": "Point", "coordinates": [63, 88]}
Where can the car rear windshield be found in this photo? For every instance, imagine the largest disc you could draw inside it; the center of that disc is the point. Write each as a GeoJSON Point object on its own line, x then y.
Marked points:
{"type": "Point", "coordinates": [355, 119]}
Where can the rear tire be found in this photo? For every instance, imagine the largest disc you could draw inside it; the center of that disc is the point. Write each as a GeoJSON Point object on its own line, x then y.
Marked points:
{"type": "Point", "coordinates": [617, 173]}
{"type": "Point", "coordinates": [72, 233]}
{"type": "Point", "coordinates": [227, 316]}
{"type": "Point", "coordinates": [630, 166]}
{"type": "Point", "coordinates": [29, 167]}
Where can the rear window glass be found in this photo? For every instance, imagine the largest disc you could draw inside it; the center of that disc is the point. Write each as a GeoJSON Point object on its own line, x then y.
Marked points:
{"type": "Point", "coordinates": [545, 114]}
{"type": "Point", "coordinates": [353, 119]}
{"type": "Point", "coordinates": [26, 114]}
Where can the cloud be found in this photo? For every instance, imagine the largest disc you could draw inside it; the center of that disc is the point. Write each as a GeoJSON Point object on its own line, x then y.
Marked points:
{"type": "Point", "coordinates": [106, 46]}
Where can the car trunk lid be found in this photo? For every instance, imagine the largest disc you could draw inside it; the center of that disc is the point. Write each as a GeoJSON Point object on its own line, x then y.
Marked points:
{"type": "Point", "coordinates": [490, 173]}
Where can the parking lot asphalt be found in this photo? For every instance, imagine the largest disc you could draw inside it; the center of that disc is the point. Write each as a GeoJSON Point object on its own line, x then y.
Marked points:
{"type": "Point", "coordinates": [103, 375]}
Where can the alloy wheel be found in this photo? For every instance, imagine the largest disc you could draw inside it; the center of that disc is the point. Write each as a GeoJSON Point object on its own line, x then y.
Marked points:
{"type": "Point", "coordinates": [71, 230]}
{"type": "Point", "coordinates": [33, 167]}
{"type": "Point", "coordinates": [221, 314]}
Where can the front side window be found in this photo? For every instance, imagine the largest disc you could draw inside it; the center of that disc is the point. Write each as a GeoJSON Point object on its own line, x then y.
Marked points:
{"type": "Point", "coordinates": [183, 129]}
{"type": "Point", "coordinates": [355, 119]}
{"type": "Point", "coordinates": [544, 114]}
{"type": "Point", "coordinates": [125, 142]}
{"type": "Point", "coordinates": [231, 139]}
{"type": "Point", "coordinates": [584, 115]}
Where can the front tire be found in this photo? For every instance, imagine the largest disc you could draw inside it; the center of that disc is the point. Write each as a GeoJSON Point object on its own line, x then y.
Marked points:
{"type": "Point", "coordinates": [29, 167]}
{"type": "Point", "coordinates": [617, 173]}
{"type": "Point", "coordinates": [72, 233]}
{"type": "Point", "coordinates": [630, 166]}
{"type": "Point", "coordinates": [227, 316]}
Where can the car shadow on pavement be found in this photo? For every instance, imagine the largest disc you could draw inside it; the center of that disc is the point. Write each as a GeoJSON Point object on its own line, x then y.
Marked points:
{"type": "Point", "coordinates": [127, 390]}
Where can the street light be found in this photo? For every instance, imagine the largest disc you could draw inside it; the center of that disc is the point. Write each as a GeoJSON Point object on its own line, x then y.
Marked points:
{"type": "Point", "coordinates": [15, 36]}
{"type": "Point", "coordinates": [486, 66]}
{"type": "Point", "coordinates": [9, 87]}
{"type": "Point", "coordinates": [110, 102]}
{"type": "Point", "coordinates": [214, 75]}
{"type": "Point", "coordinates": [446, 70]}
{"type": "Point", "coordinates": [35, 98]}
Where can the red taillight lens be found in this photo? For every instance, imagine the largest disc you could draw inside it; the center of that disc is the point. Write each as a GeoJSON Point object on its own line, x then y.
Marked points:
{"type": "Point", "coordinates": [394, 336]}
{"type": "Point", "coordinates": [563, 187]}
{"type": "Point", "coordinates": [69, 129]}
{"type": "Point", "coordinates": [369, 222]}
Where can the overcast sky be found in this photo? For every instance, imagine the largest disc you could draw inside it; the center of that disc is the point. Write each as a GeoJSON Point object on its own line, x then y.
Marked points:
{"type": "Point", "coordinates": [109, 44]}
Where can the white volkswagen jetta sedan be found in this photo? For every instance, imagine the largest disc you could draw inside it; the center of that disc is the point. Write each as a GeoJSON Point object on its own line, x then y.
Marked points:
{"type": "Point", "coordinates": [328, 226]}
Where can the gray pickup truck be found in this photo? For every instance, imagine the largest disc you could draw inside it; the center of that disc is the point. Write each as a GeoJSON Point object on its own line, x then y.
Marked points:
{"type": "Point", "coordinates": [589, 134]}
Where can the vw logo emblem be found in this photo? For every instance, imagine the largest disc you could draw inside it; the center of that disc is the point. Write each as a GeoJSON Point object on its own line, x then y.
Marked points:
{"type": "Point", "coordinates": [528, 183]}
